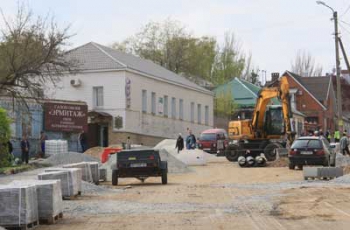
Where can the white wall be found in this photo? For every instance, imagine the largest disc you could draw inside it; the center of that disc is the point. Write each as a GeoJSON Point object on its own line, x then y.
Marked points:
{"type": "Point", "coordinates": [139, 83]}
{"type": "Point", "coordinates": [133, 119]}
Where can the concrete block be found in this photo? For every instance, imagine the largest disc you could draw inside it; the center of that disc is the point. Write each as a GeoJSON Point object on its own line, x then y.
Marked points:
{"type": "Point", "coordinates": [322, 172]}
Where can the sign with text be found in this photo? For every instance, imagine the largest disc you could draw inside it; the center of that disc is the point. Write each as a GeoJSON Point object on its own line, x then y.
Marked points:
{"type": "Point", "coordinates": [65, 117]}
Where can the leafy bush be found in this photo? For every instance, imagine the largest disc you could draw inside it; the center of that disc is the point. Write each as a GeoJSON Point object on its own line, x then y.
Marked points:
{"type": "Point", "coordinates": [5, 134]}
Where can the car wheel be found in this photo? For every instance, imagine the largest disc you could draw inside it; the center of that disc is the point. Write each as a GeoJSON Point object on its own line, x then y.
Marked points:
{"type": "Point", "coordinates": [115, 177]}
{"type": "Point", "coordinates": [164, 177]}
{"type": "Point", "coordinates": [270, 151]}
{"type": "Point", "coordinates": [232, 152]}
{"type": "Point", "coordinates": [300, 167]}
{"type": "Point", "coordinates": [291, 166]}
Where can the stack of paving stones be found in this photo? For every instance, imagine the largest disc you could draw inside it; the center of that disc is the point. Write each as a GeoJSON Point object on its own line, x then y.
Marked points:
{"type": "Point", "coordinates": [74, 179]}
{"type": "Point", "coordinates": [49, 196]}
{"type": "Point", "coordinates": [95, 172]}
{"type": "Point", "coordinates": [85, 169]}
{"type": "Point", "coordinates": [18, 206]}
{"type": "Point", "coordinates": [68, 188]}
{"type": "Point", "coordinates": [103, 174]}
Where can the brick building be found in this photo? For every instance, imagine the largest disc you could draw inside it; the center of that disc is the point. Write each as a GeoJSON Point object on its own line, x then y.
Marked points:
{"type": "Point", "coordinates": [315, 98]}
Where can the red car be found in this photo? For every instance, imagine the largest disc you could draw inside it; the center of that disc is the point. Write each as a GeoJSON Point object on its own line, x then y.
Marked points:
{"type": "Point", "coordinates": [213, 140]}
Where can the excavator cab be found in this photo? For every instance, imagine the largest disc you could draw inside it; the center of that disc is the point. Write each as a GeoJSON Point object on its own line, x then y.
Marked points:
{"type": "Point", "coordinates": [274, 122]}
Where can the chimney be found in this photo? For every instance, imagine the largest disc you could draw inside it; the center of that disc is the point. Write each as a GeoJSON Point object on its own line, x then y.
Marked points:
{"type": "Point", "coordinates": [274, 76]}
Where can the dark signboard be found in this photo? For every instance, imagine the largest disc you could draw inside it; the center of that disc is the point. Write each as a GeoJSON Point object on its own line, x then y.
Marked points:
{"type": "Point", "coordinates": [65, 117]}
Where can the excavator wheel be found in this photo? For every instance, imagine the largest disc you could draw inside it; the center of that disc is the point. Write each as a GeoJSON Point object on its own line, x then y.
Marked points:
{"type": "Point", "coordinates": [232, 153]}
{"type": "Point", "coordinates": [270, 151]}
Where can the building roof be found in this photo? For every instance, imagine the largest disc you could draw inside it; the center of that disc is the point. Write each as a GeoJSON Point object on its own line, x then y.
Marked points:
{"type": "Point", "coordinates": [318, 86]}
{"type": "Point", "coordinates": [242, 93]}
{"type": "Point", "coordinates": [308, 86]}
{"type": "Point", "coordinates": [95, 57]}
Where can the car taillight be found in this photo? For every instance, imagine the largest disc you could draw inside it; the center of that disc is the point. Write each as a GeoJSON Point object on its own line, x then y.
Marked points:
{"type": "Point", "coordinates": [319, 152]}
{"type": "Point", "coordinates": [293, 152]}
{"type": "Point", "coordinates": [151, 157]}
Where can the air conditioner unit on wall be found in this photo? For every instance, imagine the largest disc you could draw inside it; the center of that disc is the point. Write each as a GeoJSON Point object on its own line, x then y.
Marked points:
{"type": "Point", "coordinates": [75, 82]}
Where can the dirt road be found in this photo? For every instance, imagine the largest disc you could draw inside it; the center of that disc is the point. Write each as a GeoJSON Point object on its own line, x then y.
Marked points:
{"type": "Point", "coordinates": [217, 196]}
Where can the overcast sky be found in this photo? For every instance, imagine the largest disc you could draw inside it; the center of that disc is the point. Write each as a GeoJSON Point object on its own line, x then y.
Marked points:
{"type": "Point", "coordinates": [272, 30]}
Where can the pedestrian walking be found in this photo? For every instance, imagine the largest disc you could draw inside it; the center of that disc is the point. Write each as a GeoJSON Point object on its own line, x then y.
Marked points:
{"type": "Point", "coordinates": [328, 136]}
{"type": "Point", "coordinates": [83, 141]}
{"type": "Point", "coordinates": [190, 140]}
{"type": "Point", "coordinates": [25, 149]}
{"type": "Point", "coordinates": [128, 143]}
{"type": "Point", "coordinates": [43, 138]}
{"type": "Point", "coordinates": [344, 144]}
{"type": "Point", "coordinates": [179, 143]}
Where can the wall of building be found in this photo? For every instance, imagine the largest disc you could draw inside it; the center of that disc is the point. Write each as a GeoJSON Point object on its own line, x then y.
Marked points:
{"type": "Point", "coordinates": [308, 105]}
{"type": "Point", "coordinates": [133, 119]}
{"type": "Point", "coordinates": [30, 121]}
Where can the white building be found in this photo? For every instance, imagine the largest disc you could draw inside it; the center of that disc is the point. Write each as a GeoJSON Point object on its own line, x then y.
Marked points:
{"type": "Point", "coordinates": [131, 96]}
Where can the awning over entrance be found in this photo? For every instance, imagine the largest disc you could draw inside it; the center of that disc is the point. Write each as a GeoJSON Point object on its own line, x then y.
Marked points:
{"type": "Point", "coordinates": [99, 117]}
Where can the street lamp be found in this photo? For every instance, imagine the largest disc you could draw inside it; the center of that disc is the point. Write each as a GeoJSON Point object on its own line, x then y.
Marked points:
{"type": "Point", "coordinates": [339, 99]}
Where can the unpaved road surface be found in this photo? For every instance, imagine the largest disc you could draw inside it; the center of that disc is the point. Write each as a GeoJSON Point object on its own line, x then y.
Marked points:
{"type": "Point", "coordinates": [217, 196]}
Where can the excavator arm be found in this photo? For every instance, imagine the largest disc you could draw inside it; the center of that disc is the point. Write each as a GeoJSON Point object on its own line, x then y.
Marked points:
{"type": "Point", "coordinates": [264, 97]}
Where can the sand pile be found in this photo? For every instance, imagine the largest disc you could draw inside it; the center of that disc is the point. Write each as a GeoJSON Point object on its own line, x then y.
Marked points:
{"type": "Point", "coordinates": [97, 151]}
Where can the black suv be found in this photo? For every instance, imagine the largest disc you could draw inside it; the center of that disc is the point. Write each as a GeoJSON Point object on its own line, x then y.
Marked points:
{"type": "Point", "coordinates": [311, 151]}
{"type": "Point", "coordinates": [140, 164]}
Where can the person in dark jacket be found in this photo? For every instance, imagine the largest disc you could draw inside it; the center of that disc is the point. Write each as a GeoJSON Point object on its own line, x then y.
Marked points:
{"type": "Point", "coordinates": [43, 138]}
{"type": "Point", "coordinates": [83, 141]}
{"type": "Point", "coordinates": [179, 143]}
{"type": "Point", "coordinates": [25, 149]}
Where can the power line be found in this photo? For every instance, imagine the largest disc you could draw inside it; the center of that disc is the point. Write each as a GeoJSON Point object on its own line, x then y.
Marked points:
{"type": "Point", "coordinates": [345, 11]}
{"type": "Point", "coordinates": [346, 23]}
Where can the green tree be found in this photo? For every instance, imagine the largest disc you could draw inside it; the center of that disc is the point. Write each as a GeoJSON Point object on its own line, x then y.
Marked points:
{"type": "Point", "coordinates": [31, 54]}
{"type": "Point", "coordinates": [230, 61]}
{"type": "Point", "coordinates": [224, 104]}
{"type": "Point", "coordinates": [5, 134]}
{"type": "Point", "coordinates": [170, 45]}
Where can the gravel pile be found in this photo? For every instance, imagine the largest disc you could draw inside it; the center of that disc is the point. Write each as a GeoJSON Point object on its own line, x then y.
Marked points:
{"type": "Point", "coordinates": [244, 204]}
{"type": "Point", "coordinates": [92, 189]}
{"type": "Point", "coordinates": [174, 165]}
{"type": "Point", "coordinates": [69, 158]}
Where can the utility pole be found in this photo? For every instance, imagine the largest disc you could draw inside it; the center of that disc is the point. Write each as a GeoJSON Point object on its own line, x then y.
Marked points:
{"type": "Point", "coordinates": [337, 63]}
{"type": "Point", "coordinates": [339, 99]}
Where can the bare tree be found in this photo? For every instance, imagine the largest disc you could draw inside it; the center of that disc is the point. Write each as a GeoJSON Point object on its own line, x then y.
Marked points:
{"type": "Point", "coordinates": [304, 65]}
{"type": "Point", "coordinates": [31, 53]}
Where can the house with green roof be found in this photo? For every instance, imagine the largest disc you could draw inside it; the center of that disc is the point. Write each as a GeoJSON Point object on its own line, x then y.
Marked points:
{"type": "Point", "coordinates": [244, 95]}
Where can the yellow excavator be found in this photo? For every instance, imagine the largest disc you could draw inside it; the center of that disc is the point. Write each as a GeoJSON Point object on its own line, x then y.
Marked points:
{"type": "Point", "coordinates": [268, 130]}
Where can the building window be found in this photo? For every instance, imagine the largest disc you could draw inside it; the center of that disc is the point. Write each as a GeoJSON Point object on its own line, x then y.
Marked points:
{"type": "Point", "coordinates": [144, 101]}
{"type": "Point", "coordinates": [199, 113]}
{"type": "Point", "coordinates": [98, 96]}
{"type": "Point", "coordinates": [181, 109]}
{"type": "Point", "coordinates": [173, 107]}
{"type": "Point", "coordinates": [192, 111]}
{"type": "Point", "coordinates": [166, 106]}
{"type": "Point", "coordinates": [206, 115]}
{"type": "Point", "coordinates": [153, 103]}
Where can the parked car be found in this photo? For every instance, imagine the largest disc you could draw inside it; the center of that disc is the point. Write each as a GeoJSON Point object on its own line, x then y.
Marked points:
{"type": "Point", "coordinates": [140, 164]}
{"type": "Point", "coordinates": [213, 140]}
{"type": "Point", "coordinates": [311, 151]}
